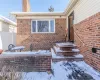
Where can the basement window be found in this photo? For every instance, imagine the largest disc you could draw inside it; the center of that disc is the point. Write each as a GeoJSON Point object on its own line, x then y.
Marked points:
{"type": "Point", "coordinates": [43, 26]}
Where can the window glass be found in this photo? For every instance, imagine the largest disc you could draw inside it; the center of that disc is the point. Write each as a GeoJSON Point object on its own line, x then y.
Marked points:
{"type": "Point", "coordinates": [43, 26]}
{"type": "Point", "coordinates": [33, 26]}
{"type": "Point", "coordinates": [52, 26]}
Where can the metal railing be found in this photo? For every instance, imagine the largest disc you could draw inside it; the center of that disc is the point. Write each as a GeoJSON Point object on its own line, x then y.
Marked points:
{"type": "Point", "coordinates": [79, 39]}
{"type": "Point", "coordinates": [94, 50]}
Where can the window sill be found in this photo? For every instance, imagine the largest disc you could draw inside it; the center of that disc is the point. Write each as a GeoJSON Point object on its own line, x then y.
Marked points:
{"type": "Point", "coordinates": [42, 32]}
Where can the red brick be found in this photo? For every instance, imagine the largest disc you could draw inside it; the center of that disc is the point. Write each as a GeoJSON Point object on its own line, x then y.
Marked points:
{"type": "Point", "coordinates": [88, 31]}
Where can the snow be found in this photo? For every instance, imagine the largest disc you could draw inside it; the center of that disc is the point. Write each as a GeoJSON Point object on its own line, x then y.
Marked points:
{"type": "Point", "coordinates": [66, 44]}
{"type": "Point", "coordinates": [58, 49]}
{"type": "Point", "coordinates": [61, 71]}
{"type": "Point", "coordinates": [17, 48]}
{"type": "Point", "coordinates": [55, 56]}
{"type": "Point", "coordinates": [79, 56]}
{"type": "Point", "coordinates": [35, 76]}
{"type": "Point", "coordinates": [75, 50]}
{"type": "Point", "coordinates": [88, 69]}
{"type": "Point", "coordinates": [34, 52]}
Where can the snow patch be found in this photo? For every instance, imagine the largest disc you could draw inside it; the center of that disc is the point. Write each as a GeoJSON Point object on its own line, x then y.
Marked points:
{"type": "Point", "coordinates": [61, 71]}
{"type": "Point", "coordinates": [17, 48]}
{"type": "Point", "coordinates": [66, 44]}
{"type": "Point", "coordinates": [75, 50]}
{"type": "Point", "coordinates": [44, 52]}
{"type": "Point", "coordinates": [79, 56]}
{"type": "Point", "coordinates": [55, 56]}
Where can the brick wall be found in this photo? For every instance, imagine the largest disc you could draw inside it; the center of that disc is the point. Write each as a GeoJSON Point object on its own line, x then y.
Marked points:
{"type": "Point", "coordinates": [66, 59]}
{"type": "Point", "coordinates": [39, 41]}
{"type": "Point", "coordinates": [89, 32]}
{"type": "Point", "coordinates": [26, 63]}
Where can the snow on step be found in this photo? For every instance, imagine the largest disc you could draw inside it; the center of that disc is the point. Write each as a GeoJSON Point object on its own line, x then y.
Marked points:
{"type": "Point", "coordinates": [57, 49]}
{"type": "Point", "coordinates": [75, 50]}
{"type": "Point", "coordinates": [67, 44]}
{"type": "Point", "coordinates": [56, 56]}
{"type": "Point", "coordinates": [78, 56]}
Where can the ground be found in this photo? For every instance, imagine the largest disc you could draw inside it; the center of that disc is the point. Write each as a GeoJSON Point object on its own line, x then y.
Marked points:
{"type": "Point", "coordinates": [60, 71]}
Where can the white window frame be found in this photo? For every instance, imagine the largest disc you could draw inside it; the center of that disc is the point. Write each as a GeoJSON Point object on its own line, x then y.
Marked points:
{"type": "Point", "coordinates": [42, 20]}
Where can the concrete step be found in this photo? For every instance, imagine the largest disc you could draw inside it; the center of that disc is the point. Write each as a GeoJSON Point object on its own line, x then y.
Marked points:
{"type": "Point", "coordinates": [65, 53]}
{"type": "Point", "coordinates": [66, 46]}
{"type": "Point", "coordinates": [57, 58]}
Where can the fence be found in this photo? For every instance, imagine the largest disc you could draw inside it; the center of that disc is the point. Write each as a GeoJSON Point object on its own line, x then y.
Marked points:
{"type": "Point", "coordinates": [7, 38]}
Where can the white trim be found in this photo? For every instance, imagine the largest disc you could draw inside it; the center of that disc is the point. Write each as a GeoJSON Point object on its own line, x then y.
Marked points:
{"type": "Point", "coordinates": [4, 19]}
{"type": "Point", "coordinates": [37, 27]}
{"type": "Point", "coordinates": [39, 17]}
{"type": "Point", "coordinates": [70, 6]}
{"type": "Point", "coordinates": [54, 25]}
{"type": "Point", "coordinates": [38, 13]}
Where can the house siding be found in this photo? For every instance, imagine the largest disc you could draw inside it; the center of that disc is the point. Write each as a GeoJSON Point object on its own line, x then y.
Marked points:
{"type": "Point", "coordinates": [84, 9]}
{"type": "Point", "coordinates": [39, 40]}
{"type": "Point", "coordinates": [5, 27]}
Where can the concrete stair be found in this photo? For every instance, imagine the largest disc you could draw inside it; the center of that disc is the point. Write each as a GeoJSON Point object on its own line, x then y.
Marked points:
{"type": "Point", "coordinates": [59, 52]}
{"type": "Point", "coordinates": [65, 51]}
{"type": "Point", "coordinates": [66, 46]}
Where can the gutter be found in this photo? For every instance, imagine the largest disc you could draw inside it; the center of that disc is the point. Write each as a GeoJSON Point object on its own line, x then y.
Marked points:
{"type": "Point", "coordinates": [4, 19]}
{"type": "Point", "coordinates": [37, 13]}
{"type": "Point", "coordinates": [71, 4]}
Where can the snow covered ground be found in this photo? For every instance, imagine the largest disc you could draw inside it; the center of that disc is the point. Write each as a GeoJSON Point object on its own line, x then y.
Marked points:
{"type": "Point", "coordinates": [65, 71]}
{"type": "Point", "coordinates": [60, 71]}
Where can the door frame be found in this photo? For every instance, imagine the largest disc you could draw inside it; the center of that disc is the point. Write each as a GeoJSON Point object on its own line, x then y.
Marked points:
{"type": "Point", "coordinates": [72, 14]}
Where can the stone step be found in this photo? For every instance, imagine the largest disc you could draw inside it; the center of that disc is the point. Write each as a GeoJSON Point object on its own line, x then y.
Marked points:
{"type": "Point", "coordinates": [58, 58]}
{"type": "Point", "coordinates": [65, 53]}
{"type": "Point", "coordinates": [66, 46]}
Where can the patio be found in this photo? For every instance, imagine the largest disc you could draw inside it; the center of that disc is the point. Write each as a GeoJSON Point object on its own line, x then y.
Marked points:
{"type": "Point", "coordinates": [63, 62]}
{"type": "Point", "coordinates": [60, 71]}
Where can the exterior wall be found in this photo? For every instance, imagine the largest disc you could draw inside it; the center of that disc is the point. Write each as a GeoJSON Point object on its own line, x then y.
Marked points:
{"type": "Point", "coordinates": [7, 38]}
{"type": "Point", "coordinates": [5, 27]}
{"type": "Point", "coordinates": [39, 40]}
{"type": "Point", "coordinates": [28, 63]}
{"type": "Point", "coordinates": [84, 9]}
{"type": "Point", "coordinates": [87, 29]}
{"type": "Point", "coordinates": [88, 33]}
{"type": "Point", "coordinates": [7, 35]}
{"type": "Point", "coordinates": [12, 29]}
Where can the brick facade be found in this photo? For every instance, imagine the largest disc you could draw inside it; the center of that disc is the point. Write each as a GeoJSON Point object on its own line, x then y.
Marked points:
{"type": "Point", "coordinates": [66, 59]}
{"type": "Point", "coordinates": [26, 63]}
{"type": "Point", "coordinates": [39, 41]}
{"type": "Point", "coordinates": [89, 32]}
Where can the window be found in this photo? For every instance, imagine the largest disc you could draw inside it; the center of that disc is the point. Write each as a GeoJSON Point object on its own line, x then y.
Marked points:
{"type": "Point", "coordinates": [43, 26]}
